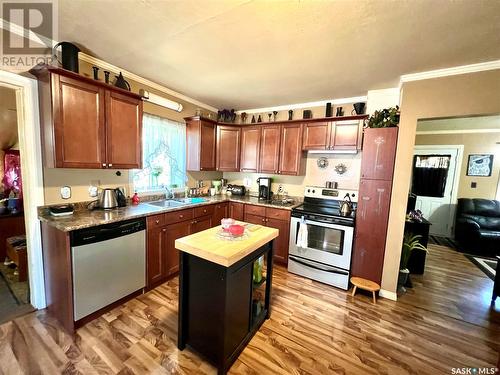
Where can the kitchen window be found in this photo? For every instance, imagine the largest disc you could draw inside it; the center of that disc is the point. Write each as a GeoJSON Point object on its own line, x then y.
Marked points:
{"type": "Point", "coordinates": [163, 153]}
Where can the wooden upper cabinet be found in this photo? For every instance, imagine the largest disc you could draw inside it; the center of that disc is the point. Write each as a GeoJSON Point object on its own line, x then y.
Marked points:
{"type": "Point", "coordinates": [79, 125]}
{"type": "Point", "coordinates": [379, 153]}
{"type": "Point", "coordinates": [201, 141]}
{"type": "Point", "coordinates": [250, 148]}
{"type": "Point", "coordinates": [87, 123]}
{"type": "Point", "coordinates": [316, 136]}
{"type": "Point", "coordinates": [291, 161]}
{"type": "Point", "coordinates": [339, 135]}
{"type": "Point", "coordinates": [346, 135]}
{"type": "Point", "coordinates": [228, 148]}
{"type": "Point", "coordinates": [270, 148]}
{"type": "Point", "coordinates": [123, 131]}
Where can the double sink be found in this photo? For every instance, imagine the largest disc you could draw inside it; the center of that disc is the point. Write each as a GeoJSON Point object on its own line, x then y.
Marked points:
{"type": "Point", "coordinates": [171, 203]}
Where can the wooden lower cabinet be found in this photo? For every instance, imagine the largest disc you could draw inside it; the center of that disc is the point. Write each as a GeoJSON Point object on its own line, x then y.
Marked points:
{"type": "Point", "coordinates": [281, 242]}
{"type": "Point", "coordinates": [156, 253]}
{"type": "Point", "coordinates": [274, 218]}
{"type": "Point", "coordinates": [236, 210]}
{"type": "Point", "coordinates": [202, 223]}
{"type": "Point", "coordinates": [162, 230]}
{"type": "Point", "coordinates": [220, 212]}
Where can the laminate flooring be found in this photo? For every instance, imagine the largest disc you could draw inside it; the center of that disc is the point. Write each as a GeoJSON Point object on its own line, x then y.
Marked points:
{"type": "Point", "coordinates": [444, 322]}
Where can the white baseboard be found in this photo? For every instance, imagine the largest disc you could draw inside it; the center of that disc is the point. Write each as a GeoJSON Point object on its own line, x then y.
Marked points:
{"type": "Point", "coordinates": [389, 295]}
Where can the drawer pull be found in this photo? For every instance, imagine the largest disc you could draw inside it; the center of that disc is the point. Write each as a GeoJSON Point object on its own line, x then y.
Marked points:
{"type": "Point", "coordinates": [204, 211]}
{"type": "Point", "coordinates": [157, 221]}
{"type": "Point", "coordinates": [164, 230]}
{"type": "Point", "coordinates": [181, 216]}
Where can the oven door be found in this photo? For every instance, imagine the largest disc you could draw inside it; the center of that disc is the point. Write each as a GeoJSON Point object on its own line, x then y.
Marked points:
{"type": "Point", "coordinates": [319, 272]}
{"type": "Point", "coordinates": [326, 243]}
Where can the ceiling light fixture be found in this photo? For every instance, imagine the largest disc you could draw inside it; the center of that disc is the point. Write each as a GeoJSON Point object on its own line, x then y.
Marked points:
{"type": "Point", "coordinates": [161, 101]}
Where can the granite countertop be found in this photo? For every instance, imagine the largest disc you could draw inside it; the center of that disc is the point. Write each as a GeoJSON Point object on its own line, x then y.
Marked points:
{"type": "Point", "coordinates": [208, 246]}
{"type": "Point", "coordinates": [84, 218]}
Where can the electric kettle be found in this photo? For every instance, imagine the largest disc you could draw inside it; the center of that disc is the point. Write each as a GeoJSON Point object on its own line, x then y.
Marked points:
{"type": "Point", "coordinates": [346, 206]}
{"type": "Point", "coordinates": [112, 198]}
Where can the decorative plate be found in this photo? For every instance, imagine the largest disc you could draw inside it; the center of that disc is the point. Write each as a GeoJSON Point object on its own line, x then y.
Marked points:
{"type": "Point", "coordinates": [341, 168]}
{"type": "Point", "coordinates": [322, 163]}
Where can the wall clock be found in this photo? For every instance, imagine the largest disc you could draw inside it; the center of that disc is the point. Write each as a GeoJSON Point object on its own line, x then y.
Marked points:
{"type": "Point", "coordinates": [341, 168]}
{"type": "Point", "coordinates": [322, 163]}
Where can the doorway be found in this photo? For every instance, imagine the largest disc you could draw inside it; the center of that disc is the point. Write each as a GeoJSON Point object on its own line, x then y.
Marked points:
{"type": "Point", "coordinates": [14, 286]}
{"type": "Point", "coordinates": [29, 160]}
{"type": "Point", "coordinates": [435, 183]}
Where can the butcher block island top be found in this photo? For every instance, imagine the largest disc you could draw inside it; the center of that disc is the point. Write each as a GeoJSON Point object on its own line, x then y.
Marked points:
{"type": "Point", "coordinates": [209, 246]}
{"type": "Point", "coordinates": [224, 291]}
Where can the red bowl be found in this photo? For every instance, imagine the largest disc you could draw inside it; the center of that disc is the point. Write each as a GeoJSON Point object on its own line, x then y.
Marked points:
{"type": "Point", "coordinates": [236, 230]}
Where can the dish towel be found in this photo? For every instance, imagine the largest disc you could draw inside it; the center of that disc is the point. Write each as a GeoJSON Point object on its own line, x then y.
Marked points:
{"type": "Point", "coordinates": [303, 234]}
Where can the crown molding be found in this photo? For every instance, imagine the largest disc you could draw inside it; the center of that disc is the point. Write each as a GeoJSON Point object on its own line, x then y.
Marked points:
{"type": "Point", "coordinates": [146, 82]}
{"type": "Point", "coordinates": [319, 103]}
{"type": "Point", "coordinates": [464, 69]}
{"type": "Point", "coordinates": [460, 131]}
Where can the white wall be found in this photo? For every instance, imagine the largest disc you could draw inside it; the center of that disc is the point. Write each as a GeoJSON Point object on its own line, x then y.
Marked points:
{"type": "Point", "coordinates": [380, 99]}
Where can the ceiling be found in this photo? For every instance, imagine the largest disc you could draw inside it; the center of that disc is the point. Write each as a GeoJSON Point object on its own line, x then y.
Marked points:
{"type": "Point", "coordinates": [250, 54]}
{"type": "Point", "coordinates": [460, 123]}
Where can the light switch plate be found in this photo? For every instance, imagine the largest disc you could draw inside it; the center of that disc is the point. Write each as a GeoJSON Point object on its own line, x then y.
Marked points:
{"type": "Point", "coordinates": [66, 192]}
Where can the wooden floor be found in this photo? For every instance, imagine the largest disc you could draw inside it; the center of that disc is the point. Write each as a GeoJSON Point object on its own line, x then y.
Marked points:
{"type": "Point", "coordinates": [444, 322]}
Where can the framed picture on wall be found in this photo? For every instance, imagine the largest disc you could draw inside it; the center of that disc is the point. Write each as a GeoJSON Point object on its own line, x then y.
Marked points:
{"type": "Point", "coordinates": [480, 165]}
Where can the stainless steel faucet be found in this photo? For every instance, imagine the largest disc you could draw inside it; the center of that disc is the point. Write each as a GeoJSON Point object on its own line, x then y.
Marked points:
{"type": "Point", "coordinates": [169, 194]}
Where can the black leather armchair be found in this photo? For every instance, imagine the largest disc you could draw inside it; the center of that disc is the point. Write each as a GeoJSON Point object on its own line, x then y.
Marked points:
{"type": "Point", "coordinates": [477, 226]}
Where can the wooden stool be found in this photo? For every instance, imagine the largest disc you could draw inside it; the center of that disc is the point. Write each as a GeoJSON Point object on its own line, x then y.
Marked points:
{"type": "Point", "coordinates": [364, 284]}
{"type": "Point", "coordinates": [16, 251]}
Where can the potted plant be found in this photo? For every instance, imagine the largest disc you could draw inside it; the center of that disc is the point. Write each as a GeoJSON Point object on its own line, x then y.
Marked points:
{"type": "Point", "coordinates": [410, 243]}
{"type": "Point", "coordinates": [385, 118]}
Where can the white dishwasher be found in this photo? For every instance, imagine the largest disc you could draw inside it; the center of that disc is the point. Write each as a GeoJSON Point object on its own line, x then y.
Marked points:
{"type": "Point", "coordinates": [109, 263]}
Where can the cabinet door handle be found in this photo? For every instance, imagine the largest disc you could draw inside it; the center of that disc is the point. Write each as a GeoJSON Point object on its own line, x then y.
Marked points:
{"type": "Point", "coordinates": [110, 165]}
{"type": "Point", "coordinates": [157, 221]}
{"type": "Point", "coordinates": [164, 230]}
{"type": "Point", "coordinates": [201, 168]}
{"type": "Point", "coordinates": [104, 165]}
{"type": "Point", "coordinates": [204, 211]}
{"type": "Point", "coordinates": [181, 216]}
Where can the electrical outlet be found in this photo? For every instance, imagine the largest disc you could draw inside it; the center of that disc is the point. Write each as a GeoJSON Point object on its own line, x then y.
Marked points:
{"type": "Point", "coordinates": [66, 192]}
{"type": "Point", "coordinates": [93, 191]}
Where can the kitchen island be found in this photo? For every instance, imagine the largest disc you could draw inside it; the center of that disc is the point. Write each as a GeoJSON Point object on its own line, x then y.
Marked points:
{"type": "Point", "coordinates": [221, 303]}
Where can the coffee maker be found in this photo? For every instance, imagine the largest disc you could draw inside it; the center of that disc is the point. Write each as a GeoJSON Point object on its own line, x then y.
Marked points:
{"type": "Point", "coordinates": [265, 192]}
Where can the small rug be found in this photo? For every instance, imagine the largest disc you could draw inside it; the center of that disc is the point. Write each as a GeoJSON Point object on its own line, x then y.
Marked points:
{"type": "Point", "coordinates": [19, 290]}
{"type": "Point", "coordinates": [487, 265]}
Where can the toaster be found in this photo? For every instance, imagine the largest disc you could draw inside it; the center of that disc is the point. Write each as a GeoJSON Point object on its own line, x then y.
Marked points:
{"type": "Point", "coordinates": [236, 189]}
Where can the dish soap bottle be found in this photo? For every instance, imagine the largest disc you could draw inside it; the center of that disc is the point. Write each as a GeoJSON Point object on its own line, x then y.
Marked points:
{"type": "Point", "coordinates": [135, 199]}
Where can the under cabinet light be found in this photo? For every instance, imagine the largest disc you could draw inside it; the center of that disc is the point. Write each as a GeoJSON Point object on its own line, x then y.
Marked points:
{"type": "Point", "coordinates": [161, 101]}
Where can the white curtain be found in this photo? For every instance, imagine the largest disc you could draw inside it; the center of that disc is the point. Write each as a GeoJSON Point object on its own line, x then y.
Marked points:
{"type": "Point", "coordinates": [164, 154]}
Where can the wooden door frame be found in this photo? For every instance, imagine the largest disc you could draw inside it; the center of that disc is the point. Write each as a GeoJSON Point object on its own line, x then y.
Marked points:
{"type": "Point", "coordinates": [456, 178]}
{"type": "Point", "coordinates": [30, 148]}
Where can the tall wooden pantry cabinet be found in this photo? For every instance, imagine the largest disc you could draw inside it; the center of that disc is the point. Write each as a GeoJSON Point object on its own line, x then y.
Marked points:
{"type": "Point", "coordinates": [377, 168]}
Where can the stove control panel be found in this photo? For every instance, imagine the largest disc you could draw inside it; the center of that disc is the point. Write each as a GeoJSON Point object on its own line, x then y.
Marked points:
{"type": "Point", "coordinates": [333, 194]}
